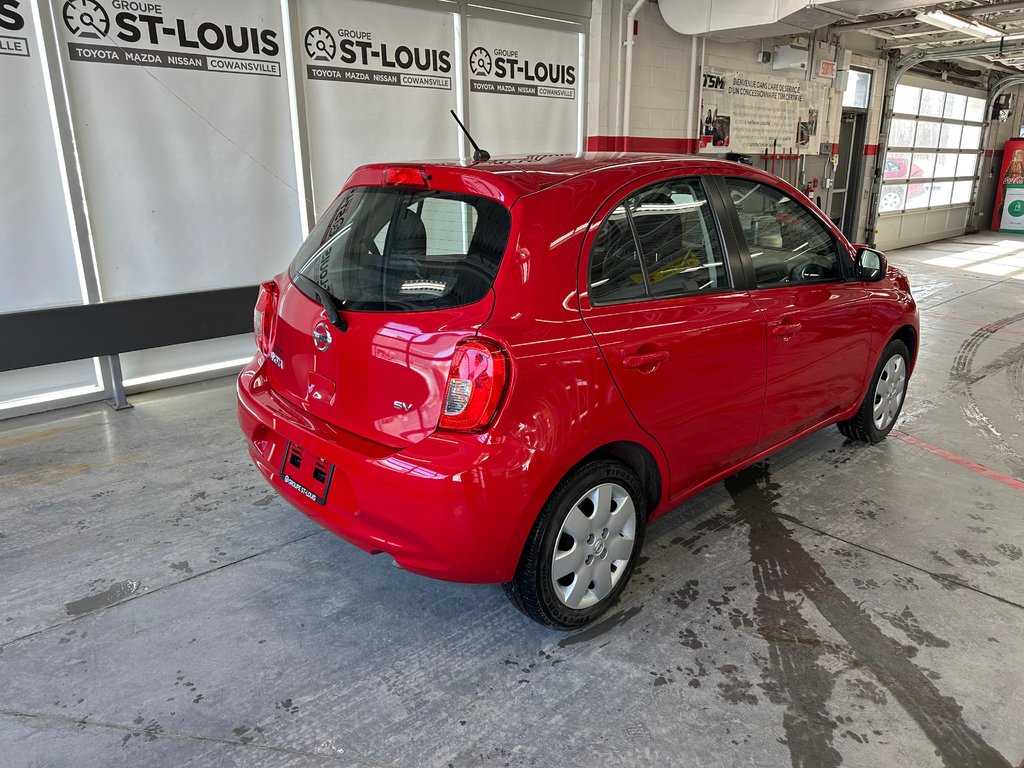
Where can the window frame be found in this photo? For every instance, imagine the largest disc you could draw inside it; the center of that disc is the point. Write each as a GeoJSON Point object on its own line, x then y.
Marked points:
{"type": "Point", "coordinates": [699, 178]}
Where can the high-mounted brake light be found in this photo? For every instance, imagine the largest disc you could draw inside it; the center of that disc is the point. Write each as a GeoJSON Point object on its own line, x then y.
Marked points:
{"type": "Point", "coordinates": [405, 176]}
{"type": "Point", "coordinates": [476, 383]}
{"type": "Point", "coordinates": [263, 317]}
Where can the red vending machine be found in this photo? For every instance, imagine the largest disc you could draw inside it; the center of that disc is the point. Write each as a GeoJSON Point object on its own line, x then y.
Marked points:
{"type": "Point", "coordinates": [1008, 212]}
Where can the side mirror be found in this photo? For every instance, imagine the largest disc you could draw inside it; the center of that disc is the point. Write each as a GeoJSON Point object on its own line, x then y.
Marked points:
{"type": "Point", "coordinates": [871, 265]}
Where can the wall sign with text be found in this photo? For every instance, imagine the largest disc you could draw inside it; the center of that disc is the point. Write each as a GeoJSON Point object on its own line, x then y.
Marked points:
{"type": "Point", "coordinates": [132, 33]}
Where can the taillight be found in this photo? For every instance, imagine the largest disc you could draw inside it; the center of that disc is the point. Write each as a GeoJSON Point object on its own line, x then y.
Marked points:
{"type": "Point", "coordinates": [476, 384]}
{"type": "Point", "coordinates": [263, 317]}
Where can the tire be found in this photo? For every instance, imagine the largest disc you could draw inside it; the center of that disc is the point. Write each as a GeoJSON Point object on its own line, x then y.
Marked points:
{"type": "Point", "coordinates": [882, 405]}
{"type": "Point", "coordinates": [594, 523]}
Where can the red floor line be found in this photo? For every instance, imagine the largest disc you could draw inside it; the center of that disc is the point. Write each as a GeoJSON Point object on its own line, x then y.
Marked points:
{"type": "Point", "coordinates": [991, 474]}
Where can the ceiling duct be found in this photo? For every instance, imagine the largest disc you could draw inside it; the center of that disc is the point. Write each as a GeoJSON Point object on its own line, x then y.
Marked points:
{"type": "Point", "coordinates": [753, 19]}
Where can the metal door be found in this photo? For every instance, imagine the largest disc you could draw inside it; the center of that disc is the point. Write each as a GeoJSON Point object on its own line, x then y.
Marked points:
{"type": "Point", "coordinates": [844, 205]}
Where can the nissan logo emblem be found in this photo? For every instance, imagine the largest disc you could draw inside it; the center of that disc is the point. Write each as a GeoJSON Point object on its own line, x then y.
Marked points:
{"type": "Point", "coordinates": [321, 336]}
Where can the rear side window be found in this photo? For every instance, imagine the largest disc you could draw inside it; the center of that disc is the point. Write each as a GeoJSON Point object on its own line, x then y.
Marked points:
{"type": "Point", "coordinates": [390, 250]}
{"type": "Point", "coordinates": [787, 243]}
{"type": "Point", "coordinates": [661, 241]}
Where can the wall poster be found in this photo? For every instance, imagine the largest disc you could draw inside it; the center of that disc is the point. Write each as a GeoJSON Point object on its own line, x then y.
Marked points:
{"type": "Point", "coordinates": [746, 113]}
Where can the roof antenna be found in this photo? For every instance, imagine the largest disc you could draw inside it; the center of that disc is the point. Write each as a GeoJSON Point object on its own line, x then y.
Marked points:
{"type": "Point", "coordinates": [479, 155]}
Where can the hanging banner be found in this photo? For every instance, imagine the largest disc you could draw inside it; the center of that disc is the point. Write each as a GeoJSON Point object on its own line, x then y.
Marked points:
{"type": "Point", "coordinates": [379, 82]}
{"type": "Point", "coordinates": [181, 116]}
{"type": "Point", "coordinates": [525, 88]}
{"type": "Point", "coordinates": [37, 256]}
{"type": "Point", "coordinates": [747, 113]}
{"type": "Point", "coordinates": [13, 28]}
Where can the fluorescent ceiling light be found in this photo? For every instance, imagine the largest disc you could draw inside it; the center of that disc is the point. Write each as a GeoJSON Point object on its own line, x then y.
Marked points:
{"type": "Point", "coordinates": [944, 20]}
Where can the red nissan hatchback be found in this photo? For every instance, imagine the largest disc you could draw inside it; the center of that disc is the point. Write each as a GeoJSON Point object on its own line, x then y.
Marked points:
{"type": "Point", "coordinates": [502, 371]}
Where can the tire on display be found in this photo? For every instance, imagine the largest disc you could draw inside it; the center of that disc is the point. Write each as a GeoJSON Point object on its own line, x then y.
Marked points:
{"type": "Point", "coordinates": [583, 547]}
{"type": "Point", "coordinates": [881, 407]}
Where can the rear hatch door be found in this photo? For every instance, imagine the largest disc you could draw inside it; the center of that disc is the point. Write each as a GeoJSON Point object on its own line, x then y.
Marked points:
{"type": "Point", "coordinates": [409, 271]}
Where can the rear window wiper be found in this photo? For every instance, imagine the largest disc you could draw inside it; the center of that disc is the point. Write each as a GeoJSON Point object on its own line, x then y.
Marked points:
{"type": "Point", "coordinates": [327, 301]}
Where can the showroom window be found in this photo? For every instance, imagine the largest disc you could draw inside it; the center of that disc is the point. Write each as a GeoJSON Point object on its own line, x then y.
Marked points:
{"type": "Point", "coordinates": [934, 145]}
{"type": "Point", "coordinates": [679, 251]}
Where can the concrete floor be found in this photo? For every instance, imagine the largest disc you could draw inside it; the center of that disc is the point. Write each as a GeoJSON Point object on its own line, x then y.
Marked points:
{"type": "Point", "coordinates": [836, 605]}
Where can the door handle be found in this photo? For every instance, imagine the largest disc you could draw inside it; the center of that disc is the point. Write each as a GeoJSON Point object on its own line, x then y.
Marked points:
{"type": "Point", "coordinates": [647, 360]}
{"type": "Point", "coordinates": [785, 328]}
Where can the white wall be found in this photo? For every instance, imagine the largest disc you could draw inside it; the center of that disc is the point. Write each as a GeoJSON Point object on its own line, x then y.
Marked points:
{"type": "Point", "coordinates": [145, 158]}
{"type": "Point", "coordinates": [664, 77]}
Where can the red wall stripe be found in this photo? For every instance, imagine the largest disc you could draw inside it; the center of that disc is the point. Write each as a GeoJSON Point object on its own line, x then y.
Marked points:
{"type": "Point", "coordinates": [870, 149]}
{"type": "Point", "coordinates": [640, 144]}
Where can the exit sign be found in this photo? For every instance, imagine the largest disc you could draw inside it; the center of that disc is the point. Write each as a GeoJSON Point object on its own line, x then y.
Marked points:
{"type": "Point", "coordinates": [826, 68]}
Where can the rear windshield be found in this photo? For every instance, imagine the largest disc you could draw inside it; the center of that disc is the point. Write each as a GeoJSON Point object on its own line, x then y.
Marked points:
{"type": "Point", "coordinates": [386, 249]}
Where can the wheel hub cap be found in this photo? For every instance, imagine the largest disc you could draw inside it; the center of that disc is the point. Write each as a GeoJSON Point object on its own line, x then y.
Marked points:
{"type": "Point", "coordinates": [593, 546]}
{"type": "Point", "coordinates": [889, 391]}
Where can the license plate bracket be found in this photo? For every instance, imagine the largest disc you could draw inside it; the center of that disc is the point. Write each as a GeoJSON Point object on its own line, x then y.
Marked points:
{"type": "Point", "coordinates": [306, 472]}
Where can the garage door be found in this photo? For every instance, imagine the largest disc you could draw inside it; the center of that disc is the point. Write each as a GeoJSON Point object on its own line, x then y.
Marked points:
{"type": "Point", "coordinates": [932, 160]}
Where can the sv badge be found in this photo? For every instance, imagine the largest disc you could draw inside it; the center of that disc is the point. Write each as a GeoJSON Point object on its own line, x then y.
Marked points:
{"type": "Point", "coordinates": [403, 407]}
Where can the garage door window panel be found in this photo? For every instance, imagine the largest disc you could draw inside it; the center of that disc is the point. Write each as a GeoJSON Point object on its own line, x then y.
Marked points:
{"type": "Point", "coordinates": [956, 105]}
{"type": "Point", "coordinates": [975, 110]}
{"type": "Point", "coordinates": [949, 136]}
{"type": "Point", "coordinates": [908, 100]}
{"type": "Point", "coordinates": [787, 243]}
{"type": "Point", "coordinates": [941, 193]}
{"type": "Point", "coordinates": [966, 164]}
{"type": "Point", "coordinates": [962, 192]}
{"type": "Point", "coordinates": [971, 137]}
{"type": "Point", "coordinates": [945, 165]}
{"type": "Point", "coordinates": [901, 132]}
{"type": "Point", "coordinates": [933, 103]}
{"type": "Point", "coordinates": [927, 135]}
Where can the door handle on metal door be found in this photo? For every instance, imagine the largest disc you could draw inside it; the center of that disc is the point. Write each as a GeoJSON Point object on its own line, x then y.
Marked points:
{"type": "Point", "coordinates": [785, 328]}
{"type": "Point", "coordinates": [647, 360]}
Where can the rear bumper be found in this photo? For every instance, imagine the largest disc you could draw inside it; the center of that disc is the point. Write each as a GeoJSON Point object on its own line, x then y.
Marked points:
{"type": "Point", "coordinates": [454, 507]}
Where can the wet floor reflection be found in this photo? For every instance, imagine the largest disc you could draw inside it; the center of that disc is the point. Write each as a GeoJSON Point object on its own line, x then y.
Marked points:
{"type": "Point", "coordinates": [800, 673]}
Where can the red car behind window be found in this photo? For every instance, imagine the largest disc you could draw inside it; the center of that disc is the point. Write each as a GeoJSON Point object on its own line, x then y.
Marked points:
{"type": "Point", "coordinates": [501, 372]}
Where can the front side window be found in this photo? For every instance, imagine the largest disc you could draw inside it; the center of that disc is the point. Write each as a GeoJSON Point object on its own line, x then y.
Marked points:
{"type": "Point", "coordinates": [660, 241]}
{"type": "Point", "coordinates": [392, 249]}
{"type": "Point", "coordinates": [787, 243]}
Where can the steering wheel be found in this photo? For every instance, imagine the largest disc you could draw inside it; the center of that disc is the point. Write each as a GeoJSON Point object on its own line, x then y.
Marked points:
{"type": "Point", "coordinates": [809, 270]}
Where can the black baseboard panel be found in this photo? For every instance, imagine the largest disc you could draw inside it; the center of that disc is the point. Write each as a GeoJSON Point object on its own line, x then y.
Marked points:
{"type": "Point", "coordinates": [62, 334]}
